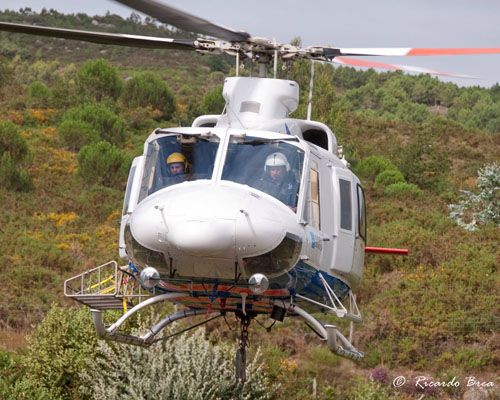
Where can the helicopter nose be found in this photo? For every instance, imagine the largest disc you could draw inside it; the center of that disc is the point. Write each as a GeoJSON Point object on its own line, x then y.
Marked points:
{"type": "Point", "coordinates": [202, 236]}
{"type": "Point", "coordinates": [205, 220]}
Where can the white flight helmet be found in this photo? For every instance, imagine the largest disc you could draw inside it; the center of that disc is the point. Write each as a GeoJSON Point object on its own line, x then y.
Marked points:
{"type": "Point", "coordinates": [277, 160]}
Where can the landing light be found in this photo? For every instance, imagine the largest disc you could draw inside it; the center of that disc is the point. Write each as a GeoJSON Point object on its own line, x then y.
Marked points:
{"type": "Point", "coordinates": [258, 283]}
{"type": "Point", "coordinates": [149, 277]}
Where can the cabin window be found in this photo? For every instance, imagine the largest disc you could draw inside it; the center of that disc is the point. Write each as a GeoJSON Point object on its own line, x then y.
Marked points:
{"type": "Point", "coordinates": [177, 158]}
{"type": "Point", "coordinates": [128, 191]}
{"type": "Point", "coordinates": [272, 166]}
{"type": "Point", "coordinates": [361, 213]}
{"type": "Point", "coordinates": [345, 205]}
{"type": "Point", "coordinates": [311, 211]}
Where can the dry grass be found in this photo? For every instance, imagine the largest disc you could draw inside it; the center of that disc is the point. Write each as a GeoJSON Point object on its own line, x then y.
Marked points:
{"type": "Point", "coordinates": [11, 340]}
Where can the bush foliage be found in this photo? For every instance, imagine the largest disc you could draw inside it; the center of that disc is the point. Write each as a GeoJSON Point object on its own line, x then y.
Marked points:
{"type": "Point", "coordinates": [148, 89]}
{"type": "Point", "coordinates": [98, 80]}
{"type": "Point", "coordinates": [91, 119]}
{"type": "Point", "coordinates": [104, 164]}
{"type": "Point", "coordinates": [389, 177]}
{"type": "Point", "coordinates": [76, 133]}
{"type": "Point", "coordinates": [13, 178]}
{"type": "Point", "coordinates": [483, 207]}
{"type": "Point", "coordinates": [40, 96]}
{"type": "Point", "coordinates": [57, 352]}
{"type": "Point", "coordinates": [403, 189]}
{"type": "Point", "coordinates": [12, 142]}
{"type": "Point", "coordinates": [13, 153]}
{"type": "Point", "coordinates": [370, 167]}
{"type": "Point", "coordinates": [188, 367]}
{"type": "Point", "coordinates": [213, 102]}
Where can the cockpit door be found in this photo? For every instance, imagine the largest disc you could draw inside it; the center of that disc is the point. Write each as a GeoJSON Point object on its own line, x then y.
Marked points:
{"type": "Point", "coordinates": [130, 200]}
{"type": "Point", "coordinates": [345, 226]}
{"type": "Point", "coordinates": [360, 239]}
{"type": "Point", "coordinates": [313, 214]}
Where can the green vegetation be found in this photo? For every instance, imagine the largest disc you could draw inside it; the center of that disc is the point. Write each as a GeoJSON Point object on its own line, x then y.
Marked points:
{"type": "Point", "coordinates": [13, 154]}
{"type": "Point", "coordinates": [389, 177]}
{"type": "Point", "coordinates": [213, 102]}
{"type": "Point", "coordinates": [69, 129]}
{"type": "Point", "coordinates": [371, 167]}
{"type": "Point", "coordinates": [482, 208]}
{"type": "Point", "coordinates": [58, 350]}
{"type": "Point", "coordinates": [98, 80]}
{"type": "Point", "coordinates": [103, 121]}
{"type": "Point", "coordinates": [104, 164]}
{"type": "Point", "coordinates": [188, 367]}
{"type": "Point", "coordinates": [148, 89]}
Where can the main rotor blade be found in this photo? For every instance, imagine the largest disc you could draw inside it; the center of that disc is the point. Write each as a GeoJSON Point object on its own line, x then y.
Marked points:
{"type": "Point", "coordinates": [407, 51]}
{"type": "Point", "coordinates": [185, 21]}
{"type": "Point", "coordinates": [101, 37]}
{"type": "Point", "coordinates": [374, 64]}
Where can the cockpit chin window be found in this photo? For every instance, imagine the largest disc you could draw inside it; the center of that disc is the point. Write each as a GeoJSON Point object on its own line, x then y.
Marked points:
{"type": "Point", "coordinates": [273, 166]}
{"type": "Point", "coordinates": [178, 158]}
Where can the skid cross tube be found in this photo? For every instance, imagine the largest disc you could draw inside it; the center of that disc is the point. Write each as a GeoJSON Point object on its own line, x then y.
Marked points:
{"type": "Point", "coordinates": [328, 333]}
{"type": "Point", "coordinates": [112, 334]}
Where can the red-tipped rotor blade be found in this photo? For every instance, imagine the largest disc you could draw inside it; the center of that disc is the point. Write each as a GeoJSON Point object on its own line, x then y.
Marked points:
{"type": "Point", "coordinates": [374, 64]}
{"type": "Point", "coordinates": [409, 51]}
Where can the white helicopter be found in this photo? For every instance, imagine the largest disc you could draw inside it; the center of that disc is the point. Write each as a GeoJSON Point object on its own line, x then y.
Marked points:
{"type": "Point", "coordinates": [248, 212]}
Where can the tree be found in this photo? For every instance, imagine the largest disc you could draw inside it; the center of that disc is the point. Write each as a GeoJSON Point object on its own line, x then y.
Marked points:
{"type": "Point", "coordinates": [40, 96]}
{"type": "Point", "coordinates": [12, 142]}
{"type": "Point", "coordinates": [213, 102]}
{"type": "Point", "coordinates": [13, 153]}
{"type": "Point", "coordinates": [104, 164]}
{"type": "Point", "coordinates": [148, 89]}
{"type": "Point", "coordinates": [98, 80]}
{"type": "Point", "coordinates": [91, 119]}
{"type": "Point", "coordinates": [6, 72]}
{"type": "Point", "coordinates": [483, 207]}
{"type": "Point", "coordinates": [57, 352]}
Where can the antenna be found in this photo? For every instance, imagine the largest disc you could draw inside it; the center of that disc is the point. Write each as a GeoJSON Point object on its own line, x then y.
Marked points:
{"type": "Point", "coordinates": [311, 84]}
{"type": "Point", "coordinates": [237, 64]}
{"type": "Point", "coordinates": [275, 63]}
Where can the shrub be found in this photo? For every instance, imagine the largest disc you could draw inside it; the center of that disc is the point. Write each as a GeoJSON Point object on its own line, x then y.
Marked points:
{"type": "Point", "coordinates": [8, 372]}
{"type": "Point", "coordinates": [360, 389]}
{"type": "Point", "coordinates": [104, 164]}
{"type": "Point", "coordinates": [148, 89]}
{"type": "Point", "coordinates": [371, 166]}
{"type": "Point", "coordinates": [57, 352]}
{"type": "Point", "coordinates": [40, 96]}
{"type": "Point", "coordinates": [12, 142]}
{"type": "Point", "coordinates": [389, 177]}
{"type": "Point", "coordinates": [423, 163]}
{"type": "Point", "coordinates": [6, 72]}
{"type": "Point", "coordinates": [403, 189]}
{"type": "Point", "coordinates": [109, 126]}
{"type": "Point", "coordinates": [483, 207]}
{"type": "Point", "coordinates": [13, 178]}
{"type": "Point", "coordinates": [213, 102]}
{"type": "Point", "coordinates": [76, 134]}
{"type": "Point", "coordinates": [187, 367]}
{"type": "Point", "coordinates": [97, 79]}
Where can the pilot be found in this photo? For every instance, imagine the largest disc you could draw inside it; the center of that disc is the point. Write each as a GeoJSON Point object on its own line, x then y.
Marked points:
{"type": "Point", "coordinates": [279, 181]}
{"type": "Point", "coordinates": [177, 166]}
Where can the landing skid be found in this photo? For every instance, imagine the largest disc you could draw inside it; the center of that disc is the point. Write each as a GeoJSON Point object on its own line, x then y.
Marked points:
{"type": "Point", "coordinates": [111, 287]}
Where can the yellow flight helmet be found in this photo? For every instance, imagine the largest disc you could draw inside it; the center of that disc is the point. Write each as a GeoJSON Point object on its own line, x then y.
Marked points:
{"type": "Point", "coordinates": [177, 157]}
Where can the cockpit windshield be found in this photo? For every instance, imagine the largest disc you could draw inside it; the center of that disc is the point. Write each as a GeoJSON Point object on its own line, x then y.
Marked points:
{"type": "Point", "coordinates": [178, 158]}
{"type": "Point", "coordinates": [273, 166]}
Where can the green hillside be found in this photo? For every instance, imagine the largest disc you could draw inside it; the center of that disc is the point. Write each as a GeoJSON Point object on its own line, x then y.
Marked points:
{"type": "Point", "coordinates": [72, 117]}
